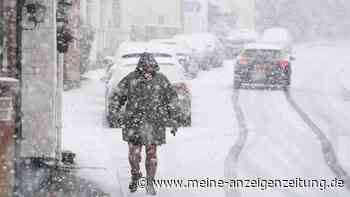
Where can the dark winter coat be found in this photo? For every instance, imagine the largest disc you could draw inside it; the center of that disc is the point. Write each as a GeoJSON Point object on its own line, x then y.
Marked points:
{"type": "Point", "coordinates": [150, 105]}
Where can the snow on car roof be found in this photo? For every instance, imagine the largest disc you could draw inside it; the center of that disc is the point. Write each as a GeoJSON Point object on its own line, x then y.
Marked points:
{"type": "Point", "coordinates": [159, 48]}
{"type": "Point", "coordinates": [276, 34]}
{"type": "Point", "coordinates": [243, 34]}
{"type": "Point", "coordinates": [177, 45]}
{"type": "Point", "coordinates": [141, 47]}
{"type": "Point", "coordinates": [264, 45]}
{"type": "Point", "coordinates": [129, 52]}
{"type": "Point", "coordinates": [165, 41]}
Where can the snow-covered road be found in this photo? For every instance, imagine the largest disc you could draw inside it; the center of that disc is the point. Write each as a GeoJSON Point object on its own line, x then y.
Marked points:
{"type": "Point", "coordinates": [277, 143]}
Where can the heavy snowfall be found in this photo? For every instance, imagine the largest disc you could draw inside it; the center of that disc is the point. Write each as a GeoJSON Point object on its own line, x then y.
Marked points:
{"type": "Point", "coordinates": [274, 143]}
{"type": "Point", "coordinates": [261, 91]}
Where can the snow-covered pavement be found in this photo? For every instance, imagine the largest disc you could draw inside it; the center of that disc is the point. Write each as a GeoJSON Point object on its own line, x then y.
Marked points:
{"type": "Point", "coordinates": [279, 144]}
{"type": "Point", "coordinates": [196, 152]}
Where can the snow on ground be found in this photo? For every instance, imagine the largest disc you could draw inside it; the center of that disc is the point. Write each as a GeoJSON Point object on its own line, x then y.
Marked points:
{"type": "Point", "coordinates": [279, 143]}
{"type": "Point", "coordinates": [321, 84]}
{"type": "Point", "coordinates": [280, 146]}
{"type": "Point", "coordinates": [83, 132]}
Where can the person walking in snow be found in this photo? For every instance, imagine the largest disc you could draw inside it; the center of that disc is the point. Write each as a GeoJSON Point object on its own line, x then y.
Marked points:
{"type": "Point", "coordinates": [150, 107]}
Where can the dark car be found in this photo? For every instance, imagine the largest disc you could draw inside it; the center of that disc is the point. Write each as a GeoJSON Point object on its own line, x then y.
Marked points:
{"type": "Point", "coordinates": [263, 65]}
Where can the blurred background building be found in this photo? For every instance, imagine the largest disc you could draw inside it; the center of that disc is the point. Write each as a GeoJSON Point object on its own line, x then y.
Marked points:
{"type": "Point", "coordinates": [195, 16]}
{"type": "Point", "coordinates": [114, 21]}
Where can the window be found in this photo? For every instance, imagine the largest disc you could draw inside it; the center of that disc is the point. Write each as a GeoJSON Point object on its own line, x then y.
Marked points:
{"type": "Point", "coordinates": [258, 54]}
{"type": "Point", "coordinates": [161, 20]}
{"type": "Point", "coordinates": [132, 55]}
{"type": "Point", "coordinates": [161, 55]}
{"type": "Point", "coordinates": [137, 55]}
{"type": "Point", "coordinates": [90, 11]}
{"type": "Point", "coordinates": [116, 13]}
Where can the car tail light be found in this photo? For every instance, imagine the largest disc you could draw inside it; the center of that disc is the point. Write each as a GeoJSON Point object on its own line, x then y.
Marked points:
{"type": "Point", "coordinates": [242, 60]}
{"type": "Point", "coordinates": [284, 64]}
{"type": "Point", "coordinates": [181, 87]}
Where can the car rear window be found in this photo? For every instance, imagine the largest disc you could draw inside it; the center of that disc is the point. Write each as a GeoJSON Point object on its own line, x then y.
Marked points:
{"type": "Point", "coordinates": [166, 64]}
{"type": "Point", "coordinates": [132, 55]}
{"type": "Point", "coordinates": [169, 43]}
{"type": "Point", "coordinates": [180, 54]}
{"type": "Point", "coordinates": [262, 53]}
{"type": "Point", "coordinates": [161, 55]}
{"type": "Point", "coordinates": [137, 55]}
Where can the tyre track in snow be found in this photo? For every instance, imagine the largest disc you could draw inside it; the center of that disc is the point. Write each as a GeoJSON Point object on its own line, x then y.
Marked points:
{"type": "Point", "coordinates": [230, 168]}
{"type": "Point", "coordinates": [326, 146]}
{"type": "Point", "coordinates": [235, 151]}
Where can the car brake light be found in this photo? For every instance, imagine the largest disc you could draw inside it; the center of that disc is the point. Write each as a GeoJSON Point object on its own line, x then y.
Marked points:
{"type": "Point", "coordinates": [284, 64]}
{"type": "Point", "coordinates": [242, 61]}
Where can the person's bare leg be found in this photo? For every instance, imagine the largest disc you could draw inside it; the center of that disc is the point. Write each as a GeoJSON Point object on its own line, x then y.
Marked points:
{"type": "Point", "coordinates": [151, 167]}
{"type": "Point", "coordinates": [134, 161]}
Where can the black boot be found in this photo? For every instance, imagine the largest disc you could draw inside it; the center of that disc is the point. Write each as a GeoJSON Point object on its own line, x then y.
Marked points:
{"type": "Point", "coordinates": [134, 181]}
{"type": "Point", "coordinates": [150, 190]}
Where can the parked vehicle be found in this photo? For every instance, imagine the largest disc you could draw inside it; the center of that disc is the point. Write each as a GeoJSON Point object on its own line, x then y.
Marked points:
{"type": "Point", "coordinates": [126, 60]}
{"type": "Point", "coordinates": [264, 65]}
{"type": "Point", "coordinates": [206, 48]}
{"type": "Point", "coordinates": [184, 55]}
{"type": "Point", "coordinates": [237, 39]}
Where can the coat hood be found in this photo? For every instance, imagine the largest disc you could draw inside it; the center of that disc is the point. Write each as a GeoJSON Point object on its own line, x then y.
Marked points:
{"type": "Point", "coordinates": [147, 59]}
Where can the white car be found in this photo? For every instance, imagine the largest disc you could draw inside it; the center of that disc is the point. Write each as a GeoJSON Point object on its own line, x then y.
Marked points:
{"type": "Point", "coordinates": [126, 61]}
{"type": "Point", "coordinates": [184, 55]}
{"type": "Point", "coordinates": [237, 39]}
{"type": "Point", "coordinates": [206, 48]}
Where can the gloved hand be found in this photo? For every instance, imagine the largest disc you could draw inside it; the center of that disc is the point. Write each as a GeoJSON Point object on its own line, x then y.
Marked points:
{"type": "Point", "coordinates": [173, 131]}
{"type": "Point", "coordinates": [173, 124]}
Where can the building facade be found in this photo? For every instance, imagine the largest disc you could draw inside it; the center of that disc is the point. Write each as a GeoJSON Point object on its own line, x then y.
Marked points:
{"type": "Point", "coordinates": [245, 11]}
{"type": "Point", "coordinates": [103, 17]}
{"type": "Point", "coordinates": [195, 16]}
{"type": "Point", "coordinates": [115, 21]}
